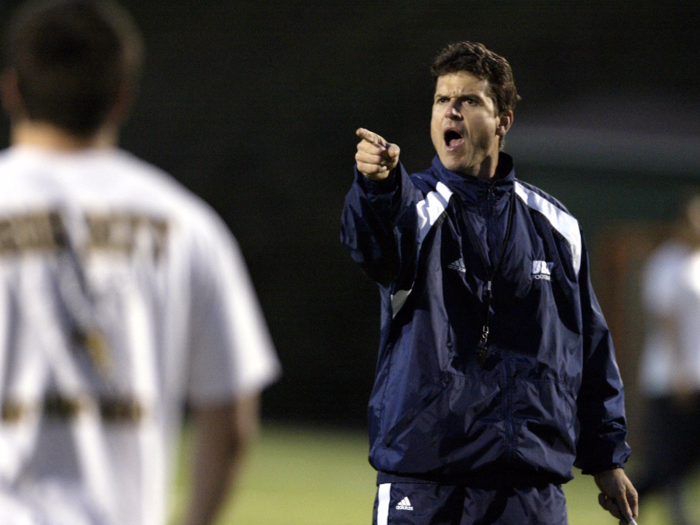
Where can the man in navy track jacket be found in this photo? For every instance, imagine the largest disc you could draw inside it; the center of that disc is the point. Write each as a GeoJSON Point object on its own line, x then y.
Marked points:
{"type": "Point", "coordinates": [496, 370]}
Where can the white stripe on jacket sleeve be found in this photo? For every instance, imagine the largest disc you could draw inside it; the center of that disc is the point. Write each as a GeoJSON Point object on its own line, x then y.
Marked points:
{"type": "Point", "coordinates": [429, 211]}
{"type": "Point", "coordinates": [561, 221]}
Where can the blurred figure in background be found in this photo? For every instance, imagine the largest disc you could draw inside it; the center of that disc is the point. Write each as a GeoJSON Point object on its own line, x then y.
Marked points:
{"type": "Point", "coordinates": [121, 295]}
{"type": "Point", "coordinates": [670, 368]}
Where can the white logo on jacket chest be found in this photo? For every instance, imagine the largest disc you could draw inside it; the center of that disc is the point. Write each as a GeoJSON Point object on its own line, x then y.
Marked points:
{"type": "Point", "coordinates": [542, 270]}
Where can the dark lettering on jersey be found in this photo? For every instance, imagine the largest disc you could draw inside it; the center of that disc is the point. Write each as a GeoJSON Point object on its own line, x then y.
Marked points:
{"type": "Point", "coordinates": [128, 233]}
{"type": "Point", "coordinates": [122, 233]}
{"type": "Point", "coordinates": [31, 232]}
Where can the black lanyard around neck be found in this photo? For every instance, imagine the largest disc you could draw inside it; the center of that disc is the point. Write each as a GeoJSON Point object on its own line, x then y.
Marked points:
{"type": "Point", "coordinates": [482, 351]}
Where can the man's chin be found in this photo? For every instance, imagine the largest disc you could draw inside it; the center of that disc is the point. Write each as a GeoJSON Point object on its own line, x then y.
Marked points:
{"type": "Point", "coordinates": [451, 163]}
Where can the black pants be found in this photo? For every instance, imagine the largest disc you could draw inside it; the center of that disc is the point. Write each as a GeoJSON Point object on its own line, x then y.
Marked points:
{"type": "Point", "coordinates": [429, 503]}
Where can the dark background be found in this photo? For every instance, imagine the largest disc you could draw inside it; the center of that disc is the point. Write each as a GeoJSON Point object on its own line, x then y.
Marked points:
{"type": "Point", "coordinates": [253, 105]}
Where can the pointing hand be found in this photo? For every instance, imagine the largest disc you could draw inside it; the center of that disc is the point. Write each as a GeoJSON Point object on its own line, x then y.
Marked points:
{"type": "Point", "coordinates": [375, 156]}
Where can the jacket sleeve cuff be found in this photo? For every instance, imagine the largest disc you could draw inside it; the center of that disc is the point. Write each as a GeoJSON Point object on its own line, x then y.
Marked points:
{"type": "Point", "coordinates": [378, 187]}
{"type": "Point", "coordinates": [597, 469]}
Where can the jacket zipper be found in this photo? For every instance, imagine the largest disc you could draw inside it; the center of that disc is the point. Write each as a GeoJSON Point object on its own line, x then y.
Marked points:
{"type": "Point", "coordinates": [508, 418]}
{"type": "Point", "coordinates": [491, 230]}
{"type": "Point", "coordinates": [491, 272]}
{"type": "Point", "coordinates": [482, 350]}
{"type": "Point", "coordinates": [508, 390]}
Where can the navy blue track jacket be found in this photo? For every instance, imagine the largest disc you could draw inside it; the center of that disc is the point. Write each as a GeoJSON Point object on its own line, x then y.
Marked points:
{"type": "Point", "coordinates": [548, 394]}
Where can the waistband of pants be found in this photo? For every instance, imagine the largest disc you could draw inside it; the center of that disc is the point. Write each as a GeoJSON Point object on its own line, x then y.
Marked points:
{"type": "Point", "coordinates": [495, 477]}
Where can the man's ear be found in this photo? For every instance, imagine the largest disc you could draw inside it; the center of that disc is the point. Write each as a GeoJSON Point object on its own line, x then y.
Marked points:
{"type": "Point", "coordinates": [505, 121]}
{"type": "Point", "coordinates": [9, 92]}
{"type": "Point", "coordinates": [122, 106]}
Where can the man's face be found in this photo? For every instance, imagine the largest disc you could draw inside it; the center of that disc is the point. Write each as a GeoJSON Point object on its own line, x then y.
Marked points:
{"type": "Point", "coordinates": [464, 127]}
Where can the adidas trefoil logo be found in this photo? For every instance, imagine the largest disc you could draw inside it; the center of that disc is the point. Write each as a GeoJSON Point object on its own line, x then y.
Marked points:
{"type": "Point", "coordinates": [404, 504]}
{"type": "Point", "coordinates": [458, 265]}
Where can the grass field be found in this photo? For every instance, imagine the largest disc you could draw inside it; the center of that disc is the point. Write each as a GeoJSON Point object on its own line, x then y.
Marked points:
{"type": "Point", "coordinates": [298, 476]}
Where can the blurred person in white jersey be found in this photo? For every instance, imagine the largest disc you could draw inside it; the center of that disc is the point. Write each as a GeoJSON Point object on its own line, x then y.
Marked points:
{"type": "Point", "coordinates": [122, 295]}
{"type": "Point", "coordinates": [670, 366]}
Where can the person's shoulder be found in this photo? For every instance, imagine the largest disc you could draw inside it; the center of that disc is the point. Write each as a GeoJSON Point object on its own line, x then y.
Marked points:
{"type": "Point", "coordinates": [426, 180]}
{"type": "Point", "coordinates": [7, 168]}
{"type": "Point", "coordinates": [537, 197]}
{"type": "Point", "coordinates": [136, 170]}
{"type": "Point", "coordinates": [160, 192]}
{"type": "Point", "coordinates": [671, 252]}
{"type": "Point", "coordinates": [5, 155]}
{"type": "Point", "coordinates": [664, 269]}
{"type": "Point", "coordinates": [13, 158]}
{"type": "Point", "coordinates": [169, 190]}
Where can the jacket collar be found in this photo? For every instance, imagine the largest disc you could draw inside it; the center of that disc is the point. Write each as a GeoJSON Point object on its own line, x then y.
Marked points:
{"type": "Point", "coordinates": [469, 187]}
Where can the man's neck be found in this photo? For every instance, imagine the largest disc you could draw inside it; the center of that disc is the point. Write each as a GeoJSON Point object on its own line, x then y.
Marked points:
{"type": "Point", "coordinates": [48, 136]}
{"type": "Point", "coordinates": [487, 169]}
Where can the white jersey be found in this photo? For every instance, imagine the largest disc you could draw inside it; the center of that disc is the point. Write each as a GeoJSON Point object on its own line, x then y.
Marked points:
{"type": "Point", "coordinates": [121, 295]}
{"type": "Point", "coordinates": [671, 288]}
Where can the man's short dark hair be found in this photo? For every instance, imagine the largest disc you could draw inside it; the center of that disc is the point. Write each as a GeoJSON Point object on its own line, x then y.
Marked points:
{"type": "Point", "coordinates": [474, 58]}
{"type": "Point", "coordinates": [72, 59]}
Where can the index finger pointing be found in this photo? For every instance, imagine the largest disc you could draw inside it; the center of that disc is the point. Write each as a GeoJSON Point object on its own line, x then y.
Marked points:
{"type": "Point", "coordinates": [371, 137]}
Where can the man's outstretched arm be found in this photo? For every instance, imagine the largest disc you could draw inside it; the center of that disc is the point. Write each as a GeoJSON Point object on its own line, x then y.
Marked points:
{"type": "Point", "coordinates": [377, 216]}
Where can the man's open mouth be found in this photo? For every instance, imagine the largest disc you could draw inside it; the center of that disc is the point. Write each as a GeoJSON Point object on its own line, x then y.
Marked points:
{"type": "Point", "coordinates": [453, 139]}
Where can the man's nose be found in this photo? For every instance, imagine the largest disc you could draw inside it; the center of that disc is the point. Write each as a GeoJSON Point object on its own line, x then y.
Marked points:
{"type": "Point", "coordinates": [452, 111]}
